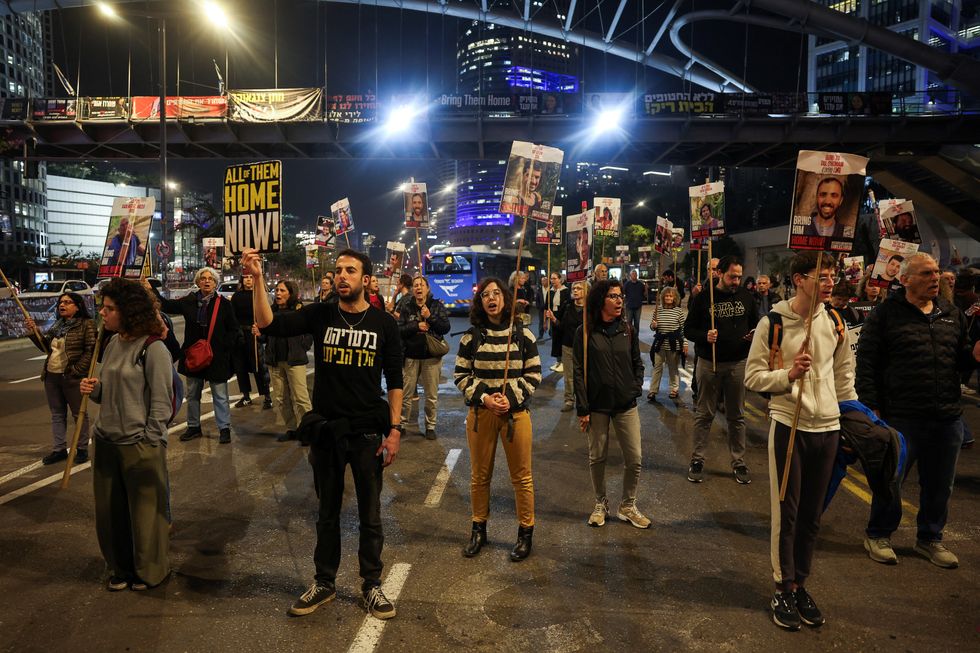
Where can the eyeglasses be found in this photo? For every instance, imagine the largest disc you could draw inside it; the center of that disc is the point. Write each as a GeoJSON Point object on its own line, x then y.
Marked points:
{"type": "Point", "coordinates": [615, 297]}
{"type": "Point", "coordinates": [489, 294]}
{"type": "Point", "coordinates": [824, 278]}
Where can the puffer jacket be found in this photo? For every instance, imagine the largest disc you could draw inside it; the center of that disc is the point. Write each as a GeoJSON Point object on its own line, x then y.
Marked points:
{"type": "Point", "coordinates": [291, 349]}
{"type": "Point", "coordinates": [79, 344]}
{"type": "Point", "coordinates": [615, 374]}
{"type": "Point", "coordinates": [829, 381]}
{"type": "Point", "coordinates": [409, 316]}
{"type": "Point", "coordinates": [909, 363]}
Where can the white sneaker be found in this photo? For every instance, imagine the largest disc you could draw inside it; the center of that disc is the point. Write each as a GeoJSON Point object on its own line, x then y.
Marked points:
{"type": "Point", "coordinates": [558, 368]}
{"type": "Point", "coordinates": [967, 390]}
{"type": "Point", "coordinates": [628, 512]}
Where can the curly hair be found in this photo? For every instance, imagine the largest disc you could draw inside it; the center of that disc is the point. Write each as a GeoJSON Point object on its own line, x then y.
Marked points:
{"type": "Point", "coordinates": [293, 298]}
{"type": "Point", "coordinates": [478, 316]}
{"type": "Point", "coordinates": [138, 309]}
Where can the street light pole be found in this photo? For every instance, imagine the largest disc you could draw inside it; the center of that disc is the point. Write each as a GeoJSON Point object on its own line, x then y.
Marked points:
{"type": "Point", "coordinates": [162, 32]}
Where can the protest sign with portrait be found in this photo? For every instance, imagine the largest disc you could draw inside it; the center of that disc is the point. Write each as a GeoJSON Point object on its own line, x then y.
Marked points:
{"type": "Point", "coordinates": [394, 259]}
{"type": "Point", "coordinates": [622, 254]}
{"type": "Point", "coordinates": [707, 211]}
{"type": "Point", "coordinates": [645, 254]}
{"type": "Point", "coordinates": [663, 235]}
{"type": "Point", "coordinates": [826, 199]}
{"type": "Point", "coordinates": [677, 239]}
{"type": "Point", "coordinates": [253, 207]}
{"type": "Point", "coordinates": [853, 269]}
{"type": "Point", "coordinates": [416, 206]}
{"type": "Point", "coordinates": [531, 180]}
{"type": "Point", "coordinates": [312, 256]}
{"type": "Point", "coordinates": [324, 232]}
{"type": "Point", "coordinates": [898, 217]}
{"type": "Point", "coordinates": [578, 245]}
{"type": "Point", "coordinates": [126, 241]}
{"type": "Point", "coordinates": [343, 219]}
{"type": "Point", "coordinates": [607, 215]}
{"type": "Point", "coordinates": [888, 265]}
{"type": "Point", "coordinates": [550, 232]}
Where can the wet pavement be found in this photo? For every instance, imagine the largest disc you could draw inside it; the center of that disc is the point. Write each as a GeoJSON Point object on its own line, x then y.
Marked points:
{"type": "Point", "coordinates": [243, 537]}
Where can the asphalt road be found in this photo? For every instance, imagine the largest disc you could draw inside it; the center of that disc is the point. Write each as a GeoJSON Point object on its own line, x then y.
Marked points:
{"type": "Point", "coordinates": [241, 548]}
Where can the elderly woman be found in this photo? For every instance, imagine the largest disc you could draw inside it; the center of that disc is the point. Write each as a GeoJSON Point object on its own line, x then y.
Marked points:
{"type": "Point", "coordinates": [286, 357]}
{"type": "Point", "coordinates": [424, 315]}
{"type": "Point", "coordinates": [498, 410]}
{"type": "Point", "coordinates": [668, 342]}
{"type": "Point", "coordinates": [129, 475]}
{"type": "Point", "coordinates": [69, 344]}
{"type": "Point", "coordinates": [203, 311]}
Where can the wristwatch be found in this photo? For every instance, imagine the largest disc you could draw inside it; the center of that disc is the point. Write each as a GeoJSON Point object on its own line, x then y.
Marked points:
{"type": "Point", "coordinates": [399, 427]}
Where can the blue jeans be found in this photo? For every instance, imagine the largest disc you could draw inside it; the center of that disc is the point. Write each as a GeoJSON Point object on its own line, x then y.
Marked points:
{"type": "Point", "coordinates": [634, 318]}
{"type": "Point", "coordinates": [934, 447]}
{"type": "Point", "coordinates": [219, 394]}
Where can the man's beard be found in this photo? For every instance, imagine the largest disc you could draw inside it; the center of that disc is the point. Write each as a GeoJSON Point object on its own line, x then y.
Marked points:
{"type": "Point", "coordinates": [353, 295]}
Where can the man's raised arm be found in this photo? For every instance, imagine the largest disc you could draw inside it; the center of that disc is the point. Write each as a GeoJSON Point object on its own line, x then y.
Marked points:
{"type": "Point", "coordinates": [252, 264]}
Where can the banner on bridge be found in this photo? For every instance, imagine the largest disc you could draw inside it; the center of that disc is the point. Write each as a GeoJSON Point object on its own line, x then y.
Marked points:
{"type": "Point", "coordinates": [103, 108]}
{"type": "Point", "coordinates": [53, 109]}
{"type": "Point", "coordinates": [203, 107]}
{"type": "Point", "coordinates": [352, 108]}
{"type": "Point", "coordinates": [253, 207]}
{"type": "Point", "coordinates": [705, 102]}
{"type": "Point", "coordinates": [276, 105]}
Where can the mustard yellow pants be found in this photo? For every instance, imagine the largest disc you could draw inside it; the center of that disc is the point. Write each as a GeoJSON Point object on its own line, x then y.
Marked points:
{"type": "Point", "coordinates": [483, 429]}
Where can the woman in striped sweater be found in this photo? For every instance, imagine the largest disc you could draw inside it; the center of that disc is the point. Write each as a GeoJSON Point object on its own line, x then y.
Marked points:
{"type": "Point", "coordinates": [498, 410]}
{"type": "Point", "coordinates": [668, 342]}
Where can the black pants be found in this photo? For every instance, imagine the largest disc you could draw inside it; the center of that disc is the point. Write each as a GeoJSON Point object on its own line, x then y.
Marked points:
{"type": "Point", "coordinates": [796, 519]}
{"type": "Point", "coordinates": [245, 363]}
{"type": "Point", "coordinates": [329, 463]}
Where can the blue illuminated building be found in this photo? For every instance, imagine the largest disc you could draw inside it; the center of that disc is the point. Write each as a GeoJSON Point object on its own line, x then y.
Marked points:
{"type": "Point", "coordinates": [541, 80]}
{"type": "Point", "coordinates": [477, 199]}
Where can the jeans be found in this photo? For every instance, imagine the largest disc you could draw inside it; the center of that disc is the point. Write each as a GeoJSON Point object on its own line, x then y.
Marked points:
{"type": "Point", "coordinates": [934, 447]}
{"type": "Point", "coordinates": [427, 370]}
{"type": "Point", "coordinates": [634, 319]}
{"type": "Point", "coordinates": [729, 379]}
{"type": "Point", "coordinates": [219, 395]}
{"type": "Point", "coordinates": [329, 460]}
{"type": "Point", "coordinates": [627, 427]}
{"type": "Point", "coordinates": [63, 393]}
{"type": "Point", "coordinates": [568, 367]}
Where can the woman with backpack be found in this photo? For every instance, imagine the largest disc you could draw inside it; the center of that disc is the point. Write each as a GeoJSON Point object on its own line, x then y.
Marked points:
{"type": "Point", "coordinates": [498, 409]}
{"type": "Point", "coordinates": [421, 318]}
{"type": "Point", "coordinates": [129, 472]}
{"type": "Point", "coordinates": [68, 344]}
{"type": "Point", "coordinates": [286, 358]}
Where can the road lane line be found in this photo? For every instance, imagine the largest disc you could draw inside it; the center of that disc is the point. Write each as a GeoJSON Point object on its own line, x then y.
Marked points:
{"type": "Point", "coordinates": [908, 510]}
{"type": "Point", "coordinates": [442, 479]}
{"type": "Point", "coordinates": [37, 358]}
{"type": "Point", "coordinates": [27, 379]}
{"type": "Point", "coordinates": [369, 634]}
{"type": "Point", "coordinates": [27, 489]}
{"type": "Point", "coordinates": [20, 472]}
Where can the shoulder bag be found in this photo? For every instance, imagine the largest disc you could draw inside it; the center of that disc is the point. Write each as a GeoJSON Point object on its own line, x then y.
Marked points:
{"type": "Point", "coordinates": [199, 355]}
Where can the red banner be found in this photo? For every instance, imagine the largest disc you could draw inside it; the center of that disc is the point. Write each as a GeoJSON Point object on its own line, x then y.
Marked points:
{"type": "Point", "coordinates": [207, 107]}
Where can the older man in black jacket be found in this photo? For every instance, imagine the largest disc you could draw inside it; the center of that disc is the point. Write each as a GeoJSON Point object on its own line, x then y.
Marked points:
{"type": "Point", "coordinates": [910, 354]}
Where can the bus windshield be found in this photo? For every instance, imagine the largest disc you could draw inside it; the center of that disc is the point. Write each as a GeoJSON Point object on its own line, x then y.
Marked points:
{"type": "Point", "coordinates": [448, 264]}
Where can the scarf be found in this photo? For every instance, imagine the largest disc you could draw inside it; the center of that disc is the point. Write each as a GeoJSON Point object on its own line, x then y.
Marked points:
{"type": "Point", "coordinates": [62, 326]}
{"type": "Point", "coordinates": [203, 317]}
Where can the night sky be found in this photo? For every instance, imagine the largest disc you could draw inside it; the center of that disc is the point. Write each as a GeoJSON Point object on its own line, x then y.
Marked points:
{"type": "Point", "coordinates": [366, 48]}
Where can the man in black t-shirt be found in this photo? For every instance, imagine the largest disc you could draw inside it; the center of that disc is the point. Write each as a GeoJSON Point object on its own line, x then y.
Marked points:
{"type": "Point", "coordinates": [355, 343]}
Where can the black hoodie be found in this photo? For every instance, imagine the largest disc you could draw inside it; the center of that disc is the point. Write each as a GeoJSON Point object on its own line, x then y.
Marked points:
{"type": "Point", "coordinates": [735, 317]}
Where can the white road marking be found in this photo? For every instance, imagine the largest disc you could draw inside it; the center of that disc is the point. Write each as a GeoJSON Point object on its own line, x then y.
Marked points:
{"type": "Point", "coordinates": [20, 472]}
{"type": "Point", "coordinates": [27, 379]}
{"type": "Point", "coordinates": [369, 634]}
{"type": "Point", "coordinates": [27, 489]}
{"type": "Point", "coordinates": [37, 358]}
{"type": "Point", "coordinates": [442, 479]}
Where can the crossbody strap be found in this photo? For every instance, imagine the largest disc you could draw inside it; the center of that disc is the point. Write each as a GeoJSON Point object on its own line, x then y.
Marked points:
{"type": "Point", "coordinates": [214, 316]}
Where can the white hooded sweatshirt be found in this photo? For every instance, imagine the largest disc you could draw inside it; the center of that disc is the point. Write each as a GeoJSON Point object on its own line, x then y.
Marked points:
{"type": "Point", "coordinates": [829, 381]}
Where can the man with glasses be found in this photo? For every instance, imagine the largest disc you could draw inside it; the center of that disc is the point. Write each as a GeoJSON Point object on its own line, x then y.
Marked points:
{"type": "Point", "coordinates": [826, 368]}
{"type": "Point", "coordinates": [728, 344]}
{"type": "Point", "coordinates": [912, 350]}
{"type": "Point", "coordinates": [605, 396]}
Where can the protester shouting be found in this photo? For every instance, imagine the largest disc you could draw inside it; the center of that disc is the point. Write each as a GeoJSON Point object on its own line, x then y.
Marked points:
{"type": "Point", "coordinates": [356, 342]}
{"type": "Point", "coordinates": [286, 357]}
{"type": "Point", "coordinates": [69, 344]}
{"type": "Point", "coordinates": [129, 474]}
{"type": "Point", "coordinates": [425, 316]}
{"type": "Point", "coordinates": [498, 410]}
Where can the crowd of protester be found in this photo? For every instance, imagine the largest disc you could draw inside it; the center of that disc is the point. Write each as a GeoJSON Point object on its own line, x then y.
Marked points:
{"type": "Point", "coordinates": [916, 350]}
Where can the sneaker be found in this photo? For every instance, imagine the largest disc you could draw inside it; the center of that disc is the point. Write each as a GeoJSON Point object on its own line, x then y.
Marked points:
{"type": "Point", "coordinates": [430, 434]}
{"type": "Point", "coordinates": [378, 605]}
{"type": "Point", "coordinates": [809, 612]}
{"type": "Point", "coordinates": [267, 403]}
{"type": "Point", "coordinates": [784, 612]}
{"type": "Point", "coordinates": [81, 456]}
{"type": "Point", "coordinates": [598, 517]}
{"type": "Point", "coordinates": [628, 512]}
{"type": "Point", "coordinates": [138, 586]}
{"type": "Point", "coordinates": [244, 401]}
{"type": "Point", "coordinates": [115, 584]}
{"type": "Point", "coordinates": [191, 433]}
{"type": "Point", "coordinates": [937, 553]}
{"type": "Point", "coordinates": [559, 368]}
{"type": "Point", "coordinates": [55, 456]}
{"type": "Point", "coordinates": [967, 390]}
{"type": "Point", "coordinates": [880, 550]}
{"type": "Point", "coordinates": [224, 436]}
{"type": "Point", "coordinates": [741, 473]}
{"type": "Point", "coordinates": [312, 599]}
{"type": "Point", "coordinates": [695, 473]}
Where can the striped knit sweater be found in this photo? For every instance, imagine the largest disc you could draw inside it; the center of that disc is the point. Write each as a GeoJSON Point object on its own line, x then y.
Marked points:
{"type": "Point", "coordinates": [670, 329]}
{"type": "Point", "coordinates": [481, 370]}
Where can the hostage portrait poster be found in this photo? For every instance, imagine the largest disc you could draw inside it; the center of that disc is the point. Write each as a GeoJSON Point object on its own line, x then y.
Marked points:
{"type": "Point", "coordinates": [826, 199]}
{"type": "Point", "coordinates": [531, 181]}
{"type": "Point", "coordinates": [416, 206]}
{"type": "Point", "coordinates": [607, 215]}
{"type": "Point", "coordinates": [127, 238]}
{"type": "Point", "coordinates": [707, 211]}
{"type": "Point", "coordinates": [578, 245]}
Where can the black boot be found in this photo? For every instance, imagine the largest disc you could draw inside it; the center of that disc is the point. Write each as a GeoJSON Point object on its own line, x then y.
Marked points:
{"type": "Point", "coordinates": [478, 537]}
{"type": "Point", "coordinates": [523, 547]}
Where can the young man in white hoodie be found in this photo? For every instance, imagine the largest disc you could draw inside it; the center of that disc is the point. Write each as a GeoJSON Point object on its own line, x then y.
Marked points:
{"type": "Point", "coordinates": [826, 368]}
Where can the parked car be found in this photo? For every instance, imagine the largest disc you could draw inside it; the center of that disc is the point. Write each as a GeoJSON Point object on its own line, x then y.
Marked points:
{"type": "Point", "coordinates": [156, 283]}
{"type": "Point", "coordinates": [56, 288]}
{"type": "Point", "coordinates": [227, 288]}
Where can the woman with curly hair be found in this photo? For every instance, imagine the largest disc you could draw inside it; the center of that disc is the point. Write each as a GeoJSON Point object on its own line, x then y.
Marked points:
{"type": "Point", "coordinates": [498, 410]}
{"type": "Point", "coordinates": [69, 344]}
{"type": "Point", "coordinates": [286, 358]}
{"type": "Point", "coordinates": [129, 473]}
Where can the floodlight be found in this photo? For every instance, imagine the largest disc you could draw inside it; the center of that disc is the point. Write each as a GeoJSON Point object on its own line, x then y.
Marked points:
{"type": "Point", "coordinates": [106, 9]}
{"type": "Point", "coordinates": [216, 14]}
{"type": "Point", "coordinates": [608, 120]}
{"type": "Point", "coordinates": [400, 119]}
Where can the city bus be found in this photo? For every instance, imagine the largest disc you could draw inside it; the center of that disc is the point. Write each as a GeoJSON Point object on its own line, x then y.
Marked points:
{"type": "Point", "coordinates": [455, 272]}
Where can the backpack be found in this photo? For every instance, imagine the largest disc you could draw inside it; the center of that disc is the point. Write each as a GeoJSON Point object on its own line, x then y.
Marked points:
{"type": "Point", "coordinates": [776, 338]}
{"type": "Point", "coordinates": [176, 381]}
